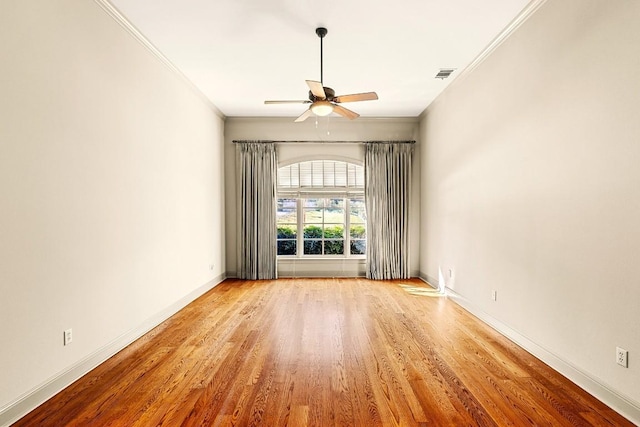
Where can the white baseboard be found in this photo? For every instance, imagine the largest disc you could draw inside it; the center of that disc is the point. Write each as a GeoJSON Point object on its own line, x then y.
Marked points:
{"type": "Point", "coordinates": [624, 405]}
{"type": "Point", "coordinates": [34, 398]}
{"type": "Point", "coordinates": [431, 281]}
{"type": "Point", "coordinates": [31, 400]}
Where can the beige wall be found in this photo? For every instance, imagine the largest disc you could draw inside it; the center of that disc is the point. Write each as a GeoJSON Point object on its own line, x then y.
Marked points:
{"type": "Point", "coordinates": [531, 186]}
{"type": "Point", "coordinates": [111, 183]}
{"type": "Point", "coordinates": [112, 176]}
{"type": "Point", "coordinates": [336, 129]}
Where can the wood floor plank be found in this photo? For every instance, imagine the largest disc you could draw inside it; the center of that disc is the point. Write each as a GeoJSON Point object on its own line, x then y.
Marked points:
{"type": "Point", "coordinates": [322, 352]}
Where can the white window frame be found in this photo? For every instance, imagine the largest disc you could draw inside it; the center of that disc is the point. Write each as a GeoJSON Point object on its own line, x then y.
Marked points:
{"type": "Point", "coordinates": [354, 176]}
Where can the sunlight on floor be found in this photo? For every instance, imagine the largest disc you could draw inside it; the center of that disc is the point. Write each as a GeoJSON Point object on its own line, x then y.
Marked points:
{"type": "Point", "coordinates": [422, 291]}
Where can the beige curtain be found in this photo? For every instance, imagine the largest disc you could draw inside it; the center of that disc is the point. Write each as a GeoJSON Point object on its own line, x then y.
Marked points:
{"type": "Point", "coordinates": [387, 191]}
{"type": "Point", "coordinates": [257, 246]}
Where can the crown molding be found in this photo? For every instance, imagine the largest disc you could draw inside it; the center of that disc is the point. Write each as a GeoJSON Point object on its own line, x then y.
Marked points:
{"type": "Point", "coordinates": [117, 16]}
{"type": "Point", "coordinates": [522, 17]}
{"type": "Point", "coordinates": [361, 119]}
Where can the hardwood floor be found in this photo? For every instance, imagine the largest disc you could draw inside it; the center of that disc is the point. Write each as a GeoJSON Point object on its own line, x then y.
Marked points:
{"type": "Point", "coordinates": [322, 352]}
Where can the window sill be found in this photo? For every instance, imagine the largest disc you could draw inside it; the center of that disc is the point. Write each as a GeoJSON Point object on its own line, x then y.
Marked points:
{"type": "Point", "coordinates": [310, 266]}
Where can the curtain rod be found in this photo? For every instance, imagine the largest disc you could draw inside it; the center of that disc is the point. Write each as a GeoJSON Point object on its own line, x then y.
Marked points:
{"type": "Point", "coordinates": [240, 141]}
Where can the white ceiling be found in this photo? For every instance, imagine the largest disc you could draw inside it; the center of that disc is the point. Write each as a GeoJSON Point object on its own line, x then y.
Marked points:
{"type": "Point", "coordinates": [240, 53]}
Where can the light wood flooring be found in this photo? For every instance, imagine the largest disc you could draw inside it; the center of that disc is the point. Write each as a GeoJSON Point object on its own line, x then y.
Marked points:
{"type": "Point", "coordinates": [322, 352]}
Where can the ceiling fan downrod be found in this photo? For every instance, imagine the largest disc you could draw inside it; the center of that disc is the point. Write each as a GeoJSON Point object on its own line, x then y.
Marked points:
{"type": "Point", "coordinates": [321, 32]}
{"type": "Point", "coordinates": [323, 99]}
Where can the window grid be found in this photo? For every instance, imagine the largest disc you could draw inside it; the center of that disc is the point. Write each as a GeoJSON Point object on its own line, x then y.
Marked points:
{"type": "Point", "coordinates": [287, 226]}
{"type": "Point", "coordinates": [330, 220]}
{"type": "Point", "coordinates": [324, 228]}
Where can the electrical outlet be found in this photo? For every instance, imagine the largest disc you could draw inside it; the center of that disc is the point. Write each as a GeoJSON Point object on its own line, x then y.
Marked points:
{"type": "Point", "coordinates": [68, 336]}
{"type": "Point", "coordinates": [450, 272]}
{"type": "Point", "coordinates": [622, 357]}
{"type": "Point", "coordinates": [211, 267]}
{"type": "Point", "coordinates": [494, 295]}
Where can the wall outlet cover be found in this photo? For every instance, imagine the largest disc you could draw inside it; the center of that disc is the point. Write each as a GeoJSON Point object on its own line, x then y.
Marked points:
{"type": "Point", "coordinates": [68, 336]}
{"type": "Point", "coordinates": [622, 357]}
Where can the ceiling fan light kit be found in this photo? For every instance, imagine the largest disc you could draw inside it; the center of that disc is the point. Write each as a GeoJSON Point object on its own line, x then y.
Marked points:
{"type": "Point", "coordinates": [322, 99]}
{"type": "Point", "coordinates": [322, 108]}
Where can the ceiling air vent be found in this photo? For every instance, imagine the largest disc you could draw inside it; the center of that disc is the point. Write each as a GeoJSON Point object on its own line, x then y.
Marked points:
{"type": "Point", "coordinates": [444, 73]}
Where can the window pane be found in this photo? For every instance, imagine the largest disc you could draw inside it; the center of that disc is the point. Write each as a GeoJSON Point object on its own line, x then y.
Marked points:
{"type": "Point", "coordinates": [312, 203]}
{"type": "Point", "coordinates": [286, 216]}
{"type": "Point", "coordinates": [288, 231]}
{"type": "Point", "coordinates": [357, 203]}
{"type": "Point", "coordinates": [287, 204]}
{"type": "Point", "coordinates": [313, 216]}
{"type": "Point", "coordinates": [351, 175]}
{"type": "Point", "coordinates": [358, 247]}
{"type": "Point", "coordinates": [334, 231]}
{"type": "Point", "coordinates": [340, 174]}
{"type": "Point", "coordinates": [312, 232]}
{"type": "Point", "coordinates": [358, 213]}
{"type": "Point", "coordinates": [359, 176]}
{"type": "Point", "coordinates": [313, 247]}
{"type": "Point", "coordinates": [334, 216]}
{"type": "Point", "coordinates": [321, 173]}
{"type": "Point", "coordinates": [334, 247]}
{"type": "Point", "coordinates": [284, 176]}
{"type": "Point", "coordinates": [316, 176]}
{"type": "Point", "coordinates": [287, 247]}
{"type": "Point", "coordinates": [329, 174]}
{"type": "Point", "coordinates": [357, 231]}
{"type": "Point", "coordinates": [334, 203]}
{"type": "Point", "coordinates": [305, 174]}
{"type": "Point", "coordinates": [295, 175]}
{"type": "Point", "coordinates": [357, 219]}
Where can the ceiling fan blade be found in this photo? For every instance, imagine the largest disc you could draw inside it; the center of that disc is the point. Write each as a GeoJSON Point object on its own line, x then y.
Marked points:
{"type": "Point", "coordinates": [316, 89]}
{"type": "Point", "coordinates": [367, 96]}
{"type": "Point", "coordinates": [304, 116]}
{"type": "Point", "coordinates": [306, 101]}
{"type": "Point", "coordinates": [345, 112]}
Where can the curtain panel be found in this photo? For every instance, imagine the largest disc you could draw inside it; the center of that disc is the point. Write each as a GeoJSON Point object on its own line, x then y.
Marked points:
{"type": "Point", "coordinates": [257, 244]}
{"type": "Point", "coordinates": [387, 192]}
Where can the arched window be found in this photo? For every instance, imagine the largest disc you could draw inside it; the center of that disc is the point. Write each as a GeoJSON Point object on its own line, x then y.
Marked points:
{"type": "Point", "coordinates": [321, 210]}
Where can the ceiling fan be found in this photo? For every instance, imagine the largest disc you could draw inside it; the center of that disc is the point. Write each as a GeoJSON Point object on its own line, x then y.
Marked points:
{"type": "Point", "coordinates": [323, 99]}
